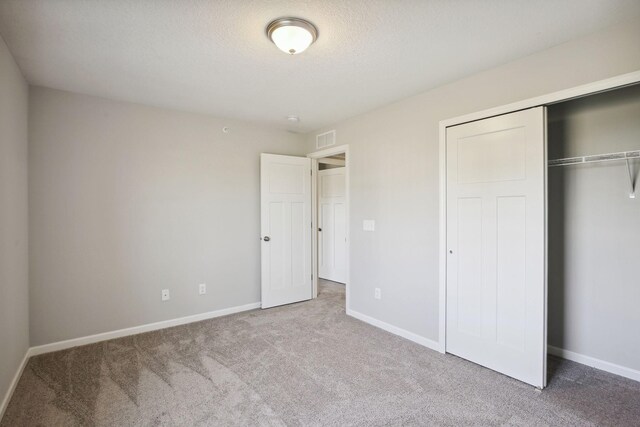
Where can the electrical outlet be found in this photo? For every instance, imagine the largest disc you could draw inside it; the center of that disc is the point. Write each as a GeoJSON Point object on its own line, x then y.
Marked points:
{"type": "Point", "coordinates": [202, 288]}
{"type": "Point", "coordinates": [377, 294]}
{"type": "Point", "coordinates": [368, 225]}
{"type": "Point", "coordinates": [165, 295]}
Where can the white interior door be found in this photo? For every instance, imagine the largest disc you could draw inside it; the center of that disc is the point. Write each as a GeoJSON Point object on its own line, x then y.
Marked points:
{"type": "Point", "coordinates": [496, 234]}
{"type": "Point", "coordinates": [285, 194]}
{"type": "Point", "coordinates": [332, 223]}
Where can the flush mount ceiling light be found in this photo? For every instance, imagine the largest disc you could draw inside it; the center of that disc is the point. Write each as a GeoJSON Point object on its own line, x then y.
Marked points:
{"type": "Point", "coordinates": [292, 35]}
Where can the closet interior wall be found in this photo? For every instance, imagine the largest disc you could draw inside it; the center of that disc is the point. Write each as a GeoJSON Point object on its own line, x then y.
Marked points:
{"type": "Point", "coordinates": [594, 229]}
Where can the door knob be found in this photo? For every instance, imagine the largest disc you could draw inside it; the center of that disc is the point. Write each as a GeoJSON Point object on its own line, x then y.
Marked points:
{"type": "Point", "coordinates": [266, 238]}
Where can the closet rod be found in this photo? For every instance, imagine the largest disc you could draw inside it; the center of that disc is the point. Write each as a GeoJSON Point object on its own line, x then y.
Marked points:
{"type": "Point", "coordinates": [625, 155]}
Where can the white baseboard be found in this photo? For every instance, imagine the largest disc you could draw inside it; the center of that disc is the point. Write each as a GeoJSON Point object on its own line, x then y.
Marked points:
{"type": "Point", "coordinates": [433, 345]}
{"type": "Point", "coordinates": [14, 383]}
{"type": "Point", "coordinates": [595, 363]}
{"type": "Point", "coordinates": [560, 352]}
{"type": "Point", "coordinates": [62, 345]}
{"type": "Point", "coordinates": [426, 342]}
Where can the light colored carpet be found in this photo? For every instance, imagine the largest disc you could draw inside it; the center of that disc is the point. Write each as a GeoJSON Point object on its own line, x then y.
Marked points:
{"type": "Point", "coordinates": [302, 364]}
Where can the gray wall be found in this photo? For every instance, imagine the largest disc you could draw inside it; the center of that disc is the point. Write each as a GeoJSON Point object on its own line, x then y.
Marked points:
{"type": "Point", "coordinates": [127, 200]}
{"type": "Point", "coordinates": [594, 229]}
{"type": "Point", "coordinates": [394, 169]}
{"type": "Point", "coordinates": [14, 279]}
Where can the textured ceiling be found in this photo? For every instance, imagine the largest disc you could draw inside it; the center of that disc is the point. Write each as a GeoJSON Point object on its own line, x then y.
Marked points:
{"type": "Point", "coordinates": [213, 56]}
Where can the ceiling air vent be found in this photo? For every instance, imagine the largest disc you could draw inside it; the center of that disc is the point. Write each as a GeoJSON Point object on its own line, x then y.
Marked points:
{"type": "Point", "coordinates": [326, 139]}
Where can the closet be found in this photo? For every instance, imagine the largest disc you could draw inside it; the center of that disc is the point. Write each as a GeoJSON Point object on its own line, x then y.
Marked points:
{"type": "Point", "coordinates": [542, 235]}
{"type": "Point", "coordinates": [594, 228]}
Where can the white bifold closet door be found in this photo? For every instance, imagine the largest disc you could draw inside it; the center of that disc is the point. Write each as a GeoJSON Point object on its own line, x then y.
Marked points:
{"type": "Point", "coordinates": [285, 193]}
{"type": "Point", "coordinates": [332, 221]}
{"type": "Point", "coordinates": [496, 250]}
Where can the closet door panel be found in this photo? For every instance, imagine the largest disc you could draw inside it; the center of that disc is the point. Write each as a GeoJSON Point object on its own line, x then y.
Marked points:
{"type": "Point", "coordinates": [511, 271]}
{"type": "Point", "coordinates": [496, 285]}
{"type": "Point", "coordinates": [469, 266]}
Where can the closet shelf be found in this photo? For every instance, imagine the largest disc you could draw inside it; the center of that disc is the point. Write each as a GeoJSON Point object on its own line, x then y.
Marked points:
{"type": "Point", "coordinates": [625, 155]}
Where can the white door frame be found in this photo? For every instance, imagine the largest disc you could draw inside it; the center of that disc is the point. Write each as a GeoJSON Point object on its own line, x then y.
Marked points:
{"type": "Point", "coordinates": [548, 99]}
{"type": "Point", "coordinates": [339, 149]}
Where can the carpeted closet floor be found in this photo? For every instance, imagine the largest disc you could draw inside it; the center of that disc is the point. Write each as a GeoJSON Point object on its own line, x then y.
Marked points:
{"type": "Point", "coordinates": [302, 364]}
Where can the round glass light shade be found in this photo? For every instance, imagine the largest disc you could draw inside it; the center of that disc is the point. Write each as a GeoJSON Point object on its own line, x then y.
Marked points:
{"type": "Point", "coordinates": [292, 35]}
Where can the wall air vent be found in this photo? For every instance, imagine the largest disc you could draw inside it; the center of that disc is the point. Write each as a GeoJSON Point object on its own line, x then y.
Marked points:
{"type": "Point", "coordinates": [326, 139]}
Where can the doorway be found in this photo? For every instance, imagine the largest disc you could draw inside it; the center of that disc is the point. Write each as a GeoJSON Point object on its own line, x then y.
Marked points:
{"type": "Point", "coordinates": [332, 219]}
{"type": "Point", "coordinates": [291, 261]}
{"type": "Point", "coordinates": [330, 210]}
